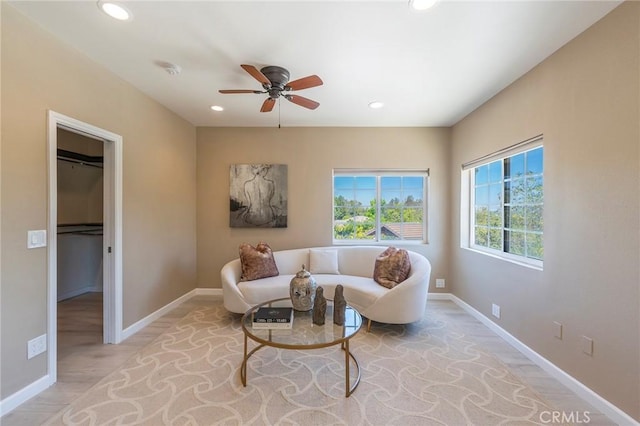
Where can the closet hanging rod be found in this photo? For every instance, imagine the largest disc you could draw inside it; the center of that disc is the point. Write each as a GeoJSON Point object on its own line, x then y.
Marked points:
{"type": "Point", "coordinates": [74, 157]}
{"type": "Point", "coordinates": [88, 228]}
{"type": "Point", "coordinates": [98, 166]}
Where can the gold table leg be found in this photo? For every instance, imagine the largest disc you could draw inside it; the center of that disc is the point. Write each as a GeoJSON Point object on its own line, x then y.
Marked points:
{"type": "Point", "coordinates": [243, 367]}
{"type": "Point", "coordinates": [347, 354]}
{"type": "Point", "coordinates": [347, 377]}
{"type": "Point", "coordinates": [245, 360]}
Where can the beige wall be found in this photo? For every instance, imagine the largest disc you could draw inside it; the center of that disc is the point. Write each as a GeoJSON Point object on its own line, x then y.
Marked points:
{"type": "Point", "coordinates": [311, 154]}
{"type": "Point", "coordinates": [585, 100]}
{"type": "Point", "coordinates": [39, 73]}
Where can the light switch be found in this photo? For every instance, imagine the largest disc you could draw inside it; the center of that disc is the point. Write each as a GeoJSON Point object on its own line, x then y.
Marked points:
{"type": "Point", "coordinates": [36, 239]}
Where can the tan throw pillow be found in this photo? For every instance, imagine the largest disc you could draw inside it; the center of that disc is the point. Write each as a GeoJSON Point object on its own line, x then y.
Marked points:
{"type": "Point", "coordinates": [257, 262]}
{"type": "Point", "coordinates": [392, 267]}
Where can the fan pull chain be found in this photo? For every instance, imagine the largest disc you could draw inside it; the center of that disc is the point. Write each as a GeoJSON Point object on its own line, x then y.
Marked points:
{"type": "Point", "coordinates": [279, 103]}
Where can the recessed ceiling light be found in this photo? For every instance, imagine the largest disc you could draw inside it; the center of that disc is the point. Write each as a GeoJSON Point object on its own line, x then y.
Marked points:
{"type": "Point", "coordinates": [115, 10]}
{"type": "Point", "coordinates": [422, 4]}
{"type": "Point", "coordinates": [376, 104]}
{"type": "Point", "coordinates": [217, 108]}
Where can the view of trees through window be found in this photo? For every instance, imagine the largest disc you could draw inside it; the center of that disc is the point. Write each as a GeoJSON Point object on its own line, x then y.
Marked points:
{"type": "Point", "coordinates": [379, 207]}
{"type": "Point", "coordinates": [508, 205]}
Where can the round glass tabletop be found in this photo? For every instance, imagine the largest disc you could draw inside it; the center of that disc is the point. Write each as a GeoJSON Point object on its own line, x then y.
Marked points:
{"type": "Point", "coordinates": [303, 334]}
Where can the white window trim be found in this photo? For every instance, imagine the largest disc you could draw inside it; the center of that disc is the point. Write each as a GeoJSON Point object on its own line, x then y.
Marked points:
{"type": "Point", "coordinates": [378, 173]}
{"type": "Point", "coordinates": [509, 151]}
{"type": "Point", "coordinates": [467, 204]}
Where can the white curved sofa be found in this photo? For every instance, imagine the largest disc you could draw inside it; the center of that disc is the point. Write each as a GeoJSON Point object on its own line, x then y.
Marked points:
{"type": "Point", "coordinates": [402, 304]}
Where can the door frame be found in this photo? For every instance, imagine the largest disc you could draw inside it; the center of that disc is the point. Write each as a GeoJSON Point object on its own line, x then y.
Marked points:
{"type": "Point", "coordinates": [112, 232]}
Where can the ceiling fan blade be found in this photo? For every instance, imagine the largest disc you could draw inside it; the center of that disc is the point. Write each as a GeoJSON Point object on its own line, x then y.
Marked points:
{"type": "Point", "coordinates": [299, 100]}
{"type": "Point", "coordinates": [267, 105]}
{"type": "Point", "coordinates": [304, 83]}
{"type": "Point", "coordinates": [240, 91]}
{"type": "Point", "coordinates": [255, 73]}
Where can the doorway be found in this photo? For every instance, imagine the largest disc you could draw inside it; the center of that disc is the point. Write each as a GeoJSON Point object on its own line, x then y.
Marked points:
{"type": "Point", "coordinates": [101, 267]}
{"type": "Point", "coordinates": [80, 278]}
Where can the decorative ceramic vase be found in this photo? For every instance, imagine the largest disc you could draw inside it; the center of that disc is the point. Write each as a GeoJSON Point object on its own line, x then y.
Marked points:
{"type": "Point", "coordinates": [302, 290]}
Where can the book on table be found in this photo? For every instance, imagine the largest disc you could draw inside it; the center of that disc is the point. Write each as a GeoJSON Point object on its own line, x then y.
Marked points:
{"type": "Point", "coordinates": [277, 317]}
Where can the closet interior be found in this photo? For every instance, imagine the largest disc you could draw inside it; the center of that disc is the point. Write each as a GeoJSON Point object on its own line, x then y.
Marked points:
{"type": "Point", "coordinates": [80, 237]}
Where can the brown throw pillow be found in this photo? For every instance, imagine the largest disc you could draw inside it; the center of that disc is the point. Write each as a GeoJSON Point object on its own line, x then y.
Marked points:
{"type": "Point", "coordinates": [392, 267]}
{"type": "Point", "coordinates": [257, 262]}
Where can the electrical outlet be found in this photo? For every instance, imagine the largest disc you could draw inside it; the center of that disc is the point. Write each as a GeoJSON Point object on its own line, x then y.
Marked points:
{"type": "Point", "coordinates": [557, 330]}
{"type": "Point", "coordinates": [495, 310]}
{"type": "Point", "coordinates": [439, 282]}
{"type": "Point", "coordinates": [36, 346]}
{"type": "Point", "coordinates": [587, 345]}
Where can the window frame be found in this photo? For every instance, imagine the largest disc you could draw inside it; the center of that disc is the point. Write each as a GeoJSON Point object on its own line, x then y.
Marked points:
{"type": "Point", "coordinates": [378, 175]}
{"type": "Point", "coordinates": [468, 205]}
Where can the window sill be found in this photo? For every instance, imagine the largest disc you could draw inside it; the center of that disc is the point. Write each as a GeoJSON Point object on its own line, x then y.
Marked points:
{"type": "Point", "coordinates": [379, 243]}
{"type": "Point", "coordinates": [535, 267]}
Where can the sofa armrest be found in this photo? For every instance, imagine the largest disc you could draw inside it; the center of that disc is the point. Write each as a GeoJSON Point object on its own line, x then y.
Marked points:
{"type": "Point", "coordinates": [232, 297]}
{"type": "Point", "coordinates": [406, 302]}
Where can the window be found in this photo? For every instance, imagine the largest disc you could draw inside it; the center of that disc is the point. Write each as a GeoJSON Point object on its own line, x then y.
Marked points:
{"type": "Point", "coordinates": [506, 205]}
{"type": "Point", "coordinates": [372, 207]}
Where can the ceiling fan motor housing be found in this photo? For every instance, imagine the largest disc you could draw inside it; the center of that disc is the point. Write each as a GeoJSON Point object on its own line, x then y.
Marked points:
{"type": "Point", "coordinates": [278, 76]}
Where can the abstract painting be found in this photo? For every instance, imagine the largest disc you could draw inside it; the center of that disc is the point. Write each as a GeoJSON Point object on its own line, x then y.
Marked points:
{"type": "Point", "coordinates": [258, 196]}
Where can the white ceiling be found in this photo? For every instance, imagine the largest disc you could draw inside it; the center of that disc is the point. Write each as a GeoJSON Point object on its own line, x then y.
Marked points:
{"type": "Point", "coordinates": [429, 68]}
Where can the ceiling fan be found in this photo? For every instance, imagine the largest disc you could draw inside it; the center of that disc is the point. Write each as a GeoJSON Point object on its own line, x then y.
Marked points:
{"type": "Point", "coordinates": [275, 82]}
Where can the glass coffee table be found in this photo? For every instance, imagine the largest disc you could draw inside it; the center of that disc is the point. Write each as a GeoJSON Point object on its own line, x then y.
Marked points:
{"type": "Point", "coordinates": [304, 334]}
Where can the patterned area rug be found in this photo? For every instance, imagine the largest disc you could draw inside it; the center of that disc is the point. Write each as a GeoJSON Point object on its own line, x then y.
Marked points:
{"type": "Point", "coordinates": [426, 373]}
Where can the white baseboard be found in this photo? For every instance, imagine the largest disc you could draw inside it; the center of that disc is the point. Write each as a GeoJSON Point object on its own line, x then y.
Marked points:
{"type": "Point", "coordinates": [604, 406]}
{"type": "Point", "coordinates": [439, 296]}
{"type": "Point", "coordinates": [15, 400]}
{"type": "Point", "coordinates": [208, 291]}
{"type": "Point", "coordinates": [78, 291]}
{"type": "Point", "coordinates": [139, 325]}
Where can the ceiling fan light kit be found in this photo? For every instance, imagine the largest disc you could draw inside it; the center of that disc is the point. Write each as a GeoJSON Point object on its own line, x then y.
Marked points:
{"type": "Point", "coordinates": [275, 82]}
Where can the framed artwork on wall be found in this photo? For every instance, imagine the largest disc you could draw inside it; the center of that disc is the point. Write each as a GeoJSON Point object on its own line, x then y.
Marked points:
{"type": "Point", "coordinates": [258, 196]}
